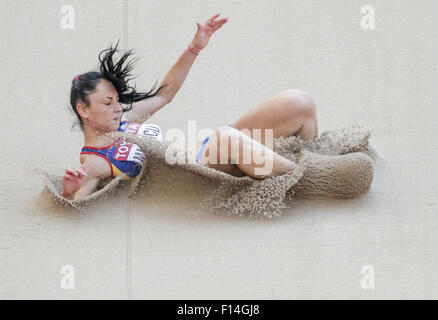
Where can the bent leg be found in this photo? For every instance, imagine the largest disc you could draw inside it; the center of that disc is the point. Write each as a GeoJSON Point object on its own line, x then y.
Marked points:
{"type": "Point", "coordinates": [233, 152]}
{"type": "Point", "coordinates": [291, 112]}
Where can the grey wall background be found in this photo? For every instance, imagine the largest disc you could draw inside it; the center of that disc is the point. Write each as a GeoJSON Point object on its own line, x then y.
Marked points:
{"type": "Point", "coordinates": [166, 247]}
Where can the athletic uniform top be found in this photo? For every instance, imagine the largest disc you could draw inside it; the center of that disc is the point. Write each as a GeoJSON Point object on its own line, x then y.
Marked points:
{"type": "Point", "coordinates": [123, 157]}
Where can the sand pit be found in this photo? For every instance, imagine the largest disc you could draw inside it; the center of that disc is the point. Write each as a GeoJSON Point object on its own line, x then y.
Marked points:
{"type": "Point", "coordinates": [332, 165]}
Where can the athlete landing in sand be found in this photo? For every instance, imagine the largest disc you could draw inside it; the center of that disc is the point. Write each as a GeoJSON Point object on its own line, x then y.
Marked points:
{"type": "Point", "coordinates": [96, 99]}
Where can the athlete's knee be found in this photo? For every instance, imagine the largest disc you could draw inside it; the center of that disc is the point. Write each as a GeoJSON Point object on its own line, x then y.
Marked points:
{"type": "Point", "coordinates": [299, 103]}
{"type": "Point", "coordinates": [310, 108]}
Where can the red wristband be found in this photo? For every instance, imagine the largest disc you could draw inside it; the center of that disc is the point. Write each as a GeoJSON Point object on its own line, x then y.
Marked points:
{"type": "Point", "coordinates": [193, 50]}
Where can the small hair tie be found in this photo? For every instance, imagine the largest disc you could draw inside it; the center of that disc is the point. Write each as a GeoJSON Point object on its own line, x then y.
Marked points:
{"type": "Point", "coordinates": [76, 78]}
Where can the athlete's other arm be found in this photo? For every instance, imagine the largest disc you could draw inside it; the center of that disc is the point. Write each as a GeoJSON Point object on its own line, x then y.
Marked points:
{"type": "Point", "coordinates": [173, 80]}
{"type": "Point", "coordinates": [80, 182]}
{"type": "Point", "coordinates": [175, 77]}
{"type": "Point", "coordinates": [144, 109]}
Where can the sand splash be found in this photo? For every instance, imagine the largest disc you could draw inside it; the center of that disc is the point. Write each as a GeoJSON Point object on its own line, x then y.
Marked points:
{"type": "Point", "coordinates": [332, 165]}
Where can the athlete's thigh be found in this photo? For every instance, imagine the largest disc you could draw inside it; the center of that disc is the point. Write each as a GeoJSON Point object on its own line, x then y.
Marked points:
{"type": "Point", "coordinates": [273, 113]}
{"type": "Point", "coordinates": [214, 157]}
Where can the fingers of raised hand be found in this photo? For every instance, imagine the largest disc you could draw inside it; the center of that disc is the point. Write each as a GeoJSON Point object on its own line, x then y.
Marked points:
{"type": "Point", "coordinates": [217, 24]}
{"type": "Point", "coordinates": [210, 20]}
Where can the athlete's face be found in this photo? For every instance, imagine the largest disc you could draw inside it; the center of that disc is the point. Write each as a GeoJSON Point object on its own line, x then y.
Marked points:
{"type": "Point", "coordinates": [104, 112]}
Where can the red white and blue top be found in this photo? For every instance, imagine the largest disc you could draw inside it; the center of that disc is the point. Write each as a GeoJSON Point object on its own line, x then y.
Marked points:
{"type": "Point", "coordinates": [123, 157]}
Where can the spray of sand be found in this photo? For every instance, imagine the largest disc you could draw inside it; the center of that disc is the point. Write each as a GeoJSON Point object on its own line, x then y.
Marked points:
{"type": "Point", "coordinates": [332, 165]}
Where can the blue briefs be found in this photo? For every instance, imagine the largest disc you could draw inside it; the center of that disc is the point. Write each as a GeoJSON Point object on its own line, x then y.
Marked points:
{"type": "Point", "coordinates": [201, 150]}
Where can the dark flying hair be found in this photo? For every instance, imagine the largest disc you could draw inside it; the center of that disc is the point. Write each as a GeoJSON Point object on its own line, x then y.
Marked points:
{"type": "Point", "coordinates": [118, 73]}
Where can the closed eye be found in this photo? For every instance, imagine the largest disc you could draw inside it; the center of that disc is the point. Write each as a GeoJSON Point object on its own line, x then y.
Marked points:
{"type": "Point", "coordinates": [111, 99]}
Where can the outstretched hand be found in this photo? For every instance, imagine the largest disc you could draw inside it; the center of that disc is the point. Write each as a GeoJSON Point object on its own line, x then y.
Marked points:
{"type": "Point", "coordinates": [72, 180]}
{"type": "Point", "coordinates": [206, 30]}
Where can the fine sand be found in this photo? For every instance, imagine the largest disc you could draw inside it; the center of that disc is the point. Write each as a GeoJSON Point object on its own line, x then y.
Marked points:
{"type": "Point", "coordinates": [332, 165]}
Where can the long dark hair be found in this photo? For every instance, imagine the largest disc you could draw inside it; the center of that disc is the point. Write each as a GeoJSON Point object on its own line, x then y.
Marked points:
{"type": "Point", "coordinates": [118, 73]}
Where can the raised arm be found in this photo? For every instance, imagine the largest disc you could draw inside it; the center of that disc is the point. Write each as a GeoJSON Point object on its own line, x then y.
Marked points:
{"type": "Point", "coordinates": [144, 109]}
{"type": "Point", "coordinates": [177, 74]}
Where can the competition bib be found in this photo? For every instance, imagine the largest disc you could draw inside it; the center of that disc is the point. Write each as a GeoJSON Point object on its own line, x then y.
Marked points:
{"type": "Point", "coordinates": [126, 151]}
{"type": "Point", "coordinates": [145, 129]}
